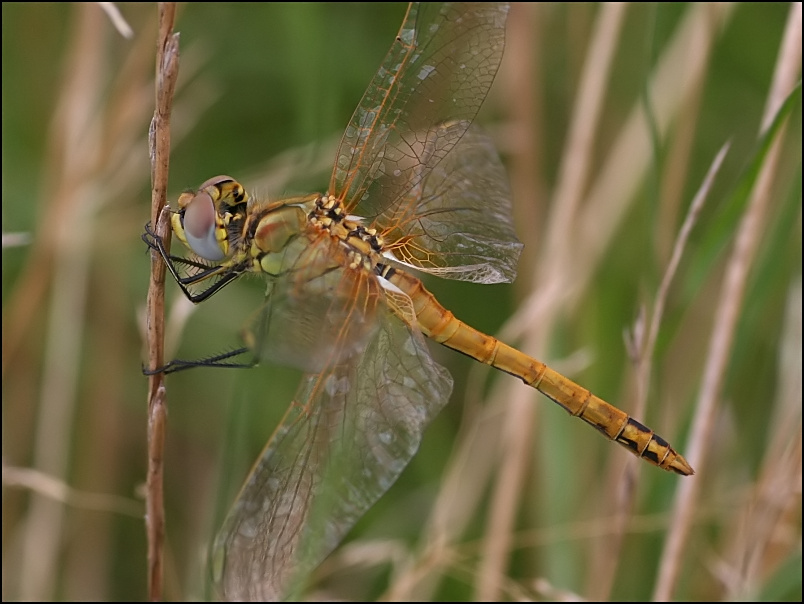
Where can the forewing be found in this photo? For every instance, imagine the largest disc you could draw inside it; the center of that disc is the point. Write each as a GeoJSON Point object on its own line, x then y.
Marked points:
{"type": "Point", "coordinates": [345, 439]}
{"type": "Point", "coordinates": [438, 72]}
{"type": "Point", "coordinates": [317, 311]}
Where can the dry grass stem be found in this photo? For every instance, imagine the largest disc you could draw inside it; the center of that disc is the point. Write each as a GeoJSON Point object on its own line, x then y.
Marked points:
{"type": "Point", "coordinates": [673, 81]}
{"type": "Point", "coordinates": [766, 527]}
{"type": "Point", "coordinates": [645, 343]}
{"type": "Point", "coordinates": [610, 194]}
{"type": "Point", "coordinates": [518, 426]}
{"type": "Point", "coordinates": [72, 198]}
{"type": "Point", "coordinates": [657, 313]}
{"type": "Point", "coordinates": [117, 19]}
{"type": "Point", "coordinates": [727, 313]}
{"type": "Point", "coordinates": [57, 490]}
{"type": "Point", "coordinates": [167, 68]}
{"type": "Point", "coordinates": [576, 162]}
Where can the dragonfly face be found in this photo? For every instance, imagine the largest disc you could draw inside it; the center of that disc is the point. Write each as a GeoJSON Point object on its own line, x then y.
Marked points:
{"type": "Point", "coordinates": [342, 305]}
{"type": "Point", "coordinates": [208, 218]}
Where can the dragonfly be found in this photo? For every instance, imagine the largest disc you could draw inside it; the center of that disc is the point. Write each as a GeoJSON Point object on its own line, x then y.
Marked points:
{"type": "Point", "coordinates": [416, 186]}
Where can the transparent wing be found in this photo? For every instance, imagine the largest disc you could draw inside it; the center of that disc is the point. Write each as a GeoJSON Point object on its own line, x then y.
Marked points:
{"type": "Point", "coordinates": [345, 439]}
{"type": "Point", "coordinates": [438, 72]}
{"type": "Point", "coordinates": [317, 312]}
{"type": "Point", "coordinates": [457, 223]}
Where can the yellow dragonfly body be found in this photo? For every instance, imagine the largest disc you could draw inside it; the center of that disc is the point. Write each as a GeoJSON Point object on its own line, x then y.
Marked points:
{"type": "Point", "coordinates": [415, 187]}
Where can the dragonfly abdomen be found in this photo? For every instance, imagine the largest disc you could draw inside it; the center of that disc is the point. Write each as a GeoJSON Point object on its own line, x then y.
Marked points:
{"type": "Point", "coordinates": [441, 325]}
{"type": "Point", "coordinates": [614, 423]}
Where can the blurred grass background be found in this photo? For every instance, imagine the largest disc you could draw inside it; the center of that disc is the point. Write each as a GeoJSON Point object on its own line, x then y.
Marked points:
{"type": "Point", "coordinates": [264, 92]}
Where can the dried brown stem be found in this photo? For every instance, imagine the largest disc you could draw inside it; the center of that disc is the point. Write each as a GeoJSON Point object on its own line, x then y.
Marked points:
{"type": "Point", "coordinates": [728, 312]}
{"type": "Point", "coordinates": [519, 431]}
{"type": "Point", "coordinates": [167, 68]}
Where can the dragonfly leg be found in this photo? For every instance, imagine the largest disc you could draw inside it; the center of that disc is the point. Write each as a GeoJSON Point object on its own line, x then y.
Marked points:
{"type": "Point", "coordinates": [223, 360]}
{"type": "Point", "coordinates": [177, 265]}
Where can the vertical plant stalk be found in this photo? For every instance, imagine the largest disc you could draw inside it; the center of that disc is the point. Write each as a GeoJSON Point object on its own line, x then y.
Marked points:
{"type": "Point", "coordinates": [167, 69]}
{"type": "Point", "coordinates": [645, 345]}
{"type": "Point", "coordinates": [519, 426]}
{"type": "Point", "coordinates": [728, 311]}
{"type": "Point", "coordinates": [71, 200]}
{"type": "Point", "coordinates": [608, 195]}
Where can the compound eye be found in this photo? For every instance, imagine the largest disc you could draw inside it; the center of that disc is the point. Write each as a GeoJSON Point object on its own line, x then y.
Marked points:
{"type": "Point", "coordinates": [200, 226]}
{"type": "Point", "coordinates": [215, 181]}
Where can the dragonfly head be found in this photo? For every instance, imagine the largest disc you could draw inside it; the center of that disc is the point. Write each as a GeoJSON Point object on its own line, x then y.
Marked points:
{"type": "Point", "coordinates": [207, 215]}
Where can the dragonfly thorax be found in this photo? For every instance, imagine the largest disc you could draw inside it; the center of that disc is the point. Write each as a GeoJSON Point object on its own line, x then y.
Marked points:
{"type": "Point", "coordinates": [363, 245]}
{"type": "Point", "coordinates": [277, 227]}
{"type": "Point", "coordinates": [278, 233]}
